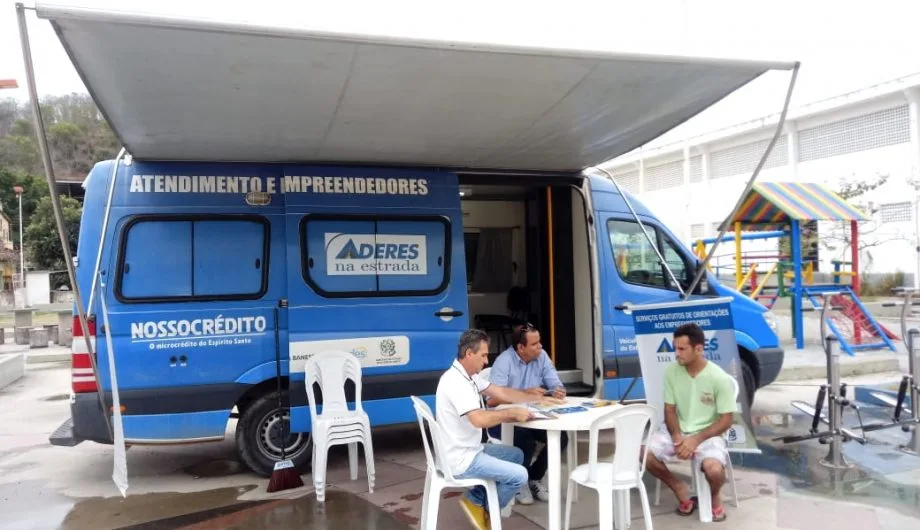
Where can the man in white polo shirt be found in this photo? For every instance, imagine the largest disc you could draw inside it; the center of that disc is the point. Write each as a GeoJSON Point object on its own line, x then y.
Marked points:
{"type": "Point", "coordinates": [462, 417]}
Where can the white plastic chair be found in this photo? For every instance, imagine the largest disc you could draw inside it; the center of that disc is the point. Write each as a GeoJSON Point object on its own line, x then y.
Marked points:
{"type": "Point", "coordinates": [612, 480]}
{"type": "Point", "coordinates": [699, 483]}
{"type": "Point", "coordinates": [439, 476]}
{"type": "Point", "coordinates": [337, 425]}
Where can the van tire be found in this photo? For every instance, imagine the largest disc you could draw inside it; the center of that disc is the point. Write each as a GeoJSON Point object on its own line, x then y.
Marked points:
{"type": "Point", "coordinates": [257, 434]}
{"type": "Point", "coordinates": [750, 385]}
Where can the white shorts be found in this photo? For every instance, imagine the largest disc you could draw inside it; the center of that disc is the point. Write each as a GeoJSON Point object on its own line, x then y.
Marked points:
{"type": "Point", "coordinates": [662, 446]}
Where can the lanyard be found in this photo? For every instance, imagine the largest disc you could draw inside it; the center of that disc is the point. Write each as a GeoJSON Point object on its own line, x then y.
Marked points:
{"type": "Point", "coordinates": [485, 434]}
{"type": "Point", "coordinates": [475, 388]}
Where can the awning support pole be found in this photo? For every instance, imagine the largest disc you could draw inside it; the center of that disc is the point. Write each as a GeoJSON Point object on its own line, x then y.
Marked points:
{"type": "Point", "coordinates": [56, 203]}
{"type": "Point", "coordinates": [105, 223]}
{"type": "Point", "coordinates": [763, 160]}
{"type": "Point", "coordinates": [652, 242]}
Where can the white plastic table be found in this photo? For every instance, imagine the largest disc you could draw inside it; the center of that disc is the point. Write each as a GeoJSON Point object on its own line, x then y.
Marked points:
{"type": "Point", "coordinates": [570, 422]}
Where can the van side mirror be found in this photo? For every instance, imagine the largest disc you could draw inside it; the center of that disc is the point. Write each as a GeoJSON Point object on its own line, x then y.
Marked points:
{"type": "Point", "coordinates": [703, 286]}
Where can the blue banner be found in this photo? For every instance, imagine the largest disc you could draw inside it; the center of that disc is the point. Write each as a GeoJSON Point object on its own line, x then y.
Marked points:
{"type": "Point", "coordinates": [655, 325]}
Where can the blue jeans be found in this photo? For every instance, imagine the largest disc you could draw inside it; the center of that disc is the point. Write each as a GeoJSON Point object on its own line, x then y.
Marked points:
{"type": "Point", "coordinates": [501, 463]}
{"type": "Point", "coordinates": [526, 440]}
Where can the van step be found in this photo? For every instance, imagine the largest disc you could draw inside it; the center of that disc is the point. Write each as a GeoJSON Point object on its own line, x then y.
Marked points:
{"type": "Point", "coordinates": [570, 376]}
{"type": "Point", "coordinates": [578, 389]}
{"type": "Point", "coordinates": [63, 435]}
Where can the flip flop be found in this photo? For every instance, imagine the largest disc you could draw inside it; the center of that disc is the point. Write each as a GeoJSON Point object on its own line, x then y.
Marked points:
{"type": "Point", "coordinates": [687, 508]}
{"type": "Point", "coordinates": [718, 514]}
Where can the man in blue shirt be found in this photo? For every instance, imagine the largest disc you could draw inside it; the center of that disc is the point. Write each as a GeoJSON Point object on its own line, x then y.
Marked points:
{"type": "Point", "coordinates": [526, 366]}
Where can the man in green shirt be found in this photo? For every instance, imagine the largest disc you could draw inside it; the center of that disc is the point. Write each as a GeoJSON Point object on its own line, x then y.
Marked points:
{"type": "Point", "coordinates": [699, 403]}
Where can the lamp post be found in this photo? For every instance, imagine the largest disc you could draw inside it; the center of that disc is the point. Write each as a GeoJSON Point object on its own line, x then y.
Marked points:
{"type": "Point", "coordinates": [22, 267]}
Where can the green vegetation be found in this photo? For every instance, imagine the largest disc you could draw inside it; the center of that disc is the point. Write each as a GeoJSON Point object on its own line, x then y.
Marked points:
{"type": "Point", "coordinates": [78, 137]}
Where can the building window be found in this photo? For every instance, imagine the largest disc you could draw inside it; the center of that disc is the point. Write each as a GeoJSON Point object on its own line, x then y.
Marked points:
{"type": "Point", "coordinates": [697, 231]}
{"type": "Point", "coordinates": [895, 212]}
{"type": "Point", "coordinates": [861, 133]}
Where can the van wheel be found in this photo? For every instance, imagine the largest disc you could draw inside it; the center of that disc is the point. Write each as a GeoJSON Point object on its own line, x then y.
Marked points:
{"type": "Point", "coordinates": [259, 437]}
{"type": "Point", "coordinates": [749, 384]}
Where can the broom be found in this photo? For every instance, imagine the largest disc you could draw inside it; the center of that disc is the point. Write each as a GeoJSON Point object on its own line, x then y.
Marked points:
{"type": "Point", "coordinates": [284, 476]}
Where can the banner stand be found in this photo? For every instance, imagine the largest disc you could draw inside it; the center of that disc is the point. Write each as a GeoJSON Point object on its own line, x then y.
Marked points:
{"type": "Point", "coordinates": [654, 326]}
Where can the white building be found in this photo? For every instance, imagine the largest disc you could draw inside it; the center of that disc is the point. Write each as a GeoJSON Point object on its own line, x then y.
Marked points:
{"type": "Point", "coordinates": [694, 183]}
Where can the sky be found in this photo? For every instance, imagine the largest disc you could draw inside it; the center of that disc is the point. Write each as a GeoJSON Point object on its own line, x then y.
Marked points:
{"type": "Point", "coordinates": [841, 49]}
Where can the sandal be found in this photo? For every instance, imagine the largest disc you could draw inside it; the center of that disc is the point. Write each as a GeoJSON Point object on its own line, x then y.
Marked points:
{"type": "Point", "coordinates": [718, 514]}
{"type": "Point", "coordinates": [687, 508]}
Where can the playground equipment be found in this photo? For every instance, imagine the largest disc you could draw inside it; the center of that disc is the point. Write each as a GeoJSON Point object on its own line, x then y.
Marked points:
{"type": "Point", "coordinates": [837, 402]}
{"type": "Point", "coordinates": [773, 210]}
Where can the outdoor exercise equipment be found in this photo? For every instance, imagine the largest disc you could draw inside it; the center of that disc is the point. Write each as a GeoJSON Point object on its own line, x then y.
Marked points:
{"type": "Point", "coordinates": [835, 392]}
{"type": "Point", "coordinates": [910, 382]}
{"type": "Point", "coordinates": [774, 210]}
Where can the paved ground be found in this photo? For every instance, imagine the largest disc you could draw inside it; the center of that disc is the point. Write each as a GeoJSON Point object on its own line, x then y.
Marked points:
{"type": "Point", "coordinates": [203, 487]}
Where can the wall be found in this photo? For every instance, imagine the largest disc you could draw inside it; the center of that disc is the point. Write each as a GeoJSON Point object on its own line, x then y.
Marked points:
{"type": "Point", "coordinates": [38, 285]}
{"type": "Point", "coordinates": [693, 187]}
{"type": "Point", "coordinates": [6, 240]}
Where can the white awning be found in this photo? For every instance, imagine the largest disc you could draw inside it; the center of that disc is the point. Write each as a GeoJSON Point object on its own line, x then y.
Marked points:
{"type": "Point", "coordinates": [179, 89]}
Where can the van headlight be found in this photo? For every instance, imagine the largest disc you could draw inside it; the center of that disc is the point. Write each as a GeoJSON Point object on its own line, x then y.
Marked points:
{"type": "Point", "coordinates": [770, 319]}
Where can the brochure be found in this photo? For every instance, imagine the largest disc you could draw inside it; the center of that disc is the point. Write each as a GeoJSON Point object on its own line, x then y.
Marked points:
{"type": "Point", "coordinates": [568, 410]}
{"type": "Point", "coordinates": [541, 415]}
{"type": "Point", "coordinates": [595, 403]}
{"type": "Point", "coordinates": [549, 406]}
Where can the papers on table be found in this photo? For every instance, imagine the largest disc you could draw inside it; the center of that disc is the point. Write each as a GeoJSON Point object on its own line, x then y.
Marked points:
{"type": "Point", "coordinates": [540, 415]}
{"type": "Point", "coordinates": [595, 403]}
{"type": "Point", "coordinates": [549, 406]}
{"type": "Point", "coordinates": [550, 411]}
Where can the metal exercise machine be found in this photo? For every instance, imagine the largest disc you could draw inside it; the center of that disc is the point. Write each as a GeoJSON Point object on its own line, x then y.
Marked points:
{"type": "Point", "coordinates": [910, 383]}
{"type": "Point", "coordinates": [835, 393]}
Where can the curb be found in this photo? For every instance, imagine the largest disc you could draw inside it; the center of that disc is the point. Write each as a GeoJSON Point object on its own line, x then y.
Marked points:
{"type": "Point", "coordinates": [847, 369]}
{"type": "Point", "coordinates": [12, 367]}
{"type": "Point", "coordinates": [49, 357]}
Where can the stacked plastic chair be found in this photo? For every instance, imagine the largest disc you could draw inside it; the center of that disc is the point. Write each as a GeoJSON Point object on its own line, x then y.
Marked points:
{"type": "Point", "coordinates": [336, 424]}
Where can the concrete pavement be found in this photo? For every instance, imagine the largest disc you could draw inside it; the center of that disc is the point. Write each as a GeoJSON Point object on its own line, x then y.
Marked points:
{"type": "Point", "coordinates": [204, 487]}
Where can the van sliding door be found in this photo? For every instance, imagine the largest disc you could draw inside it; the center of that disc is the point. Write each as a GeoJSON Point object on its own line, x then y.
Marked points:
{"type": "Point", "coordinates": [375, 268]}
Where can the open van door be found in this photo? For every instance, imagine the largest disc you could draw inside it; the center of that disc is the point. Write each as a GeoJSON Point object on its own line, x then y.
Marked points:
{"type": "Point", "coordinates": [635, 275]}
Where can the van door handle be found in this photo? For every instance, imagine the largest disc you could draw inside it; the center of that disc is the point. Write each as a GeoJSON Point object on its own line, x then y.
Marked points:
{"type": "Point", "coordinates": [621, 307]}
{"type": "Point", "coordinates": [448, 313]}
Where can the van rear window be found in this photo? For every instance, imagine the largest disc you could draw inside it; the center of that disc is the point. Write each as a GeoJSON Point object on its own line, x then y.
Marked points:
{"type": "Point", "coordinates": [175, 258]}
{"type": "Point", "coordinates": [347, 256]}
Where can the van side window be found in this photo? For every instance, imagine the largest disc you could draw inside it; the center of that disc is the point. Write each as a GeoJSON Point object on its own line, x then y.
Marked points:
{"type": "Point", "coordinates": [375, 256]}
{"type": "Point", "coordinates": [635, 258]}
{"type": "Point", "coordinates": [177, 258]}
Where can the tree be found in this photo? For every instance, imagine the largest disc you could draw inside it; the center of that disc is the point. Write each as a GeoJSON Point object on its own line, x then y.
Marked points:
{"type": "Point", "coordinates": [42, 241]}
{"type": "Point", "coordinates": [78, 136]}
{"type": "Point", "coordinates": [854, 190]}
{"type": "Point", "coordinates": [34, 188]}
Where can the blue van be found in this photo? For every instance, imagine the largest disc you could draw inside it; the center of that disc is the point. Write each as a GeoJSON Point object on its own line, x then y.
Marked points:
{"type": "Point", "coordinates": [379, 194]}
{"type": "Point", "coordinates": [390, 264]}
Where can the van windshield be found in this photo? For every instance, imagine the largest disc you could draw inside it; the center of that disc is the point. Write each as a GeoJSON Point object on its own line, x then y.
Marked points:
{"type": "Point", "coordinates": [636, 260]}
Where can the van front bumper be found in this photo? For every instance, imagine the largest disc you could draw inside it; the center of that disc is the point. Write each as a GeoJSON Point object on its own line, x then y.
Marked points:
{"type": "Point", "coordinates": [770, 363]}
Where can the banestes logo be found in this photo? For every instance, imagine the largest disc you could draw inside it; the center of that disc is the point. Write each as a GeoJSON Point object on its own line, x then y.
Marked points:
{"type": "Point", "coordinates": [380, 254]}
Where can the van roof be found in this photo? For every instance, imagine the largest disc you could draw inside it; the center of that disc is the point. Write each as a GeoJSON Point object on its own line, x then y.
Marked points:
{"type": "Point", "coordinates": [174, 88]}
